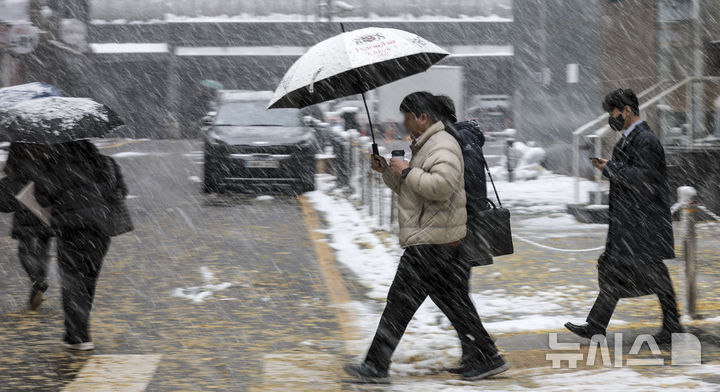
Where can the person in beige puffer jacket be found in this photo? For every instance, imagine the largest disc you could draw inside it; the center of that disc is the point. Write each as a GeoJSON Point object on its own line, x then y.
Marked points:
{"type": "Point", "coordinates": [431, 194]}
{"type": "Point", "coordinates": [432, 217]}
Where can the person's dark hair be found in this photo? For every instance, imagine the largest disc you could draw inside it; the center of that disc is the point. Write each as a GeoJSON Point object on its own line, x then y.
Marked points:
{"type": "Point", "coordinates": [23, 156]}
{"type": "Point", "coordinates": [421, 102]}
{"type": "Point", "coordinates": [447, 109]}
{"type": "Point", "coordinates": [621, 98]}
{"type": "Point", "coordinates": [79, 152]}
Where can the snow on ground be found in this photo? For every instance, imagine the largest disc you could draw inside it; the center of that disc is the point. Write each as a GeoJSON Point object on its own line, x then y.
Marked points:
{"type": "Point", "coordinates": [198, 294]}
{"type": "Point", "coordinates": [558, 225]}
{"type": "Point", "coordinates": [548, 193]}
{"type": "Point", "coordinates": [621, 379]}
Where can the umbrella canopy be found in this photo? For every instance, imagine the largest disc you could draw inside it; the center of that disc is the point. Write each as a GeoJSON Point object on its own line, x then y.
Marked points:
{"type": "Point", "coordinates": [52, 120]}
{"type": "Point", "coordinates": [352, 63]}
{"type": "Point", "coordinates": [11, 96]}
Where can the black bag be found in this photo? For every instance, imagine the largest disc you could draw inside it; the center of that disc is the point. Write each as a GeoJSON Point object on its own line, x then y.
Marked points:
{"type": "Point", "coordinates": [121, 222]}
{"type": "Point", "coordinates": [489, 233]}
{"type": "Point", "coordinates": [120, 218]}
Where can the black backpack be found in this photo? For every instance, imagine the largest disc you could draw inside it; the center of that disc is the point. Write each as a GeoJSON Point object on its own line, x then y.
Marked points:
{"type": "Point", "coordinates": [488, 231]}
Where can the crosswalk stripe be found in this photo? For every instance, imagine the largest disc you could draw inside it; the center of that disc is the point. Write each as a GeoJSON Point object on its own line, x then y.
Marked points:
{"type": "Point", "coordinates": [127, 373]}
{"type": "Point", "coordinates": [299, 372]}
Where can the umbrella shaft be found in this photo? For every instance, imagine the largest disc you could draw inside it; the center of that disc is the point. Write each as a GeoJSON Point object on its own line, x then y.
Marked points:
{"type": "Point", "coordinates": [372, 133]}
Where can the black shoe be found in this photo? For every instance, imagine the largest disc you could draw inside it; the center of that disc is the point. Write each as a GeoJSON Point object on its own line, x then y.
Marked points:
{"type": "Point", "coordinates": [495, 365]}
{"type": "Point", "coordinates": [585, 330]}
{"type": "Point", "coordinates": [665, 335]}
{"type": "Point", "coordinates": [367, 374]}
{"type": "Point", "coordinates": [36, 295]}
{"type": "Point", "coordinates": [458, 369]}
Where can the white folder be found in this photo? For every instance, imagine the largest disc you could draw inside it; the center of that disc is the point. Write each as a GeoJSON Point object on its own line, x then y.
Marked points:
{"type": "Point", "coordinates": [27, 197]}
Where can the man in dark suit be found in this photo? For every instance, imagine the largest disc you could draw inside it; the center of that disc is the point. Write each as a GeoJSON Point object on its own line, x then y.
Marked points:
{"type": "Point", "coordinates": [640, 233]}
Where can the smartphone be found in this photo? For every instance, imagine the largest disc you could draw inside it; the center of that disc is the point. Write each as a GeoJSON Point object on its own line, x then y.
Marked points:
{"type": "Point", "coordinates": [594, 158]}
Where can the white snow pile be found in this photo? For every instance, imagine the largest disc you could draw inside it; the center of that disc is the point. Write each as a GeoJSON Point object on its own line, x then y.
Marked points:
{"type": "Point", "coordinates": [13, 95]}
{"type": "Point", "coordinates": [526, 165]}
{"type": "Point", "coordinates": [67, 110]}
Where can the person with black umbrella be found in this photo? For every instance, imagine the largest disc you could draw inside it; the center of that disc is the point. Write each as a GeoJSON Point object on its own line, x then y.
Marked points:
{"type": "Point", "coordinates": [24, 164]}
{"type": "Point", "coordinates": [640, 233]}
{"type": "Point", "coordinates": [83, 189]}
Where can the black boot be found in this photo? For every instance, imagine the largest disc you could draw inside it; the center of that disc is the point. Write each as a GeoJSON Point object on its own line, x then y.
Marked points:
{"type": "Point", "coordinates": [367, 374]}
{"type": "Point", "coordinates": [36, 295]}
{"type": "Point", "coordinates": [484, 369]}
{"type": "Point", "coordinates": [585, 330]}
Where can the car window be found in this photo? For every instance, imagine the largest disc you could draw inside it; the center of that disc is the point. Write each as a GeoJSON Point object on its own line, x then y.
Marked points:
{"type": "Point", "coordinates": [247, 113]}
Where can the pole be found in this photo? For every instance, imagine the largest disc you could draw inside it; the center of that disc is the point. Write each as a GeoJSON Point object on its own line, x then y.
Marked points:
{"type": "Point", "coordinates": [372, 132]}
{"type": "Point", "coordinates": [510, 158]}
{"type": "Point", "coordinates": [687, 196]}
{"type": "Point", "coordinates": [576, 167]}
{"type": "Point", "coordinates": [698, 117]}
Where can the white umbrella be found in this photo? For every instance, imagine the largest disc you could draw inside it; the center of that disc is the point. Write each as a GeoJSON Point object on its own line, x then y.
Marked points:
{"type": "Point", "coordinates": [352, 63]}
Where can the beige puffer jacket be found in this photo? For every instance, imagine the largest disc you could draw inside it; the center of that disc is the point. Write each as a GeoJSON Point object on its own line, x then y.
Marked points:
{"type": "Point", "coordinates": [431, 199]}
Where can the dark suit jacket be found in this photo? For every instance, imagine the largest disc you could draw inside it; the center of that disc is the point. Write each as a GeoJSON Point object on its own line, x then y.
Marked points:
{"type": "Point", "coordinates": [640, 232]}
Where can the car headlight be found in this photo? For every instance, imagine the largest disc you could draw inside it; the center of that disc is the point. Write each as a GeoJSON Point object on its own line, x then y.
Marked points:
{"type": "Point", "coordinates": [213, 138]}
{"type": "Point", "coordinates": [307, 141]}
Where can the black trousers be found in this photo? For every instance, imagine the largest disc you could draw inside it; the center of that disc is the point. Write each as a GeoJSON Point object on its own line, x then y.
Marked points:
{"type": "Point", "coordinates": [34, 257]}
{"type": "Point", "coordinates": [659, 283]}
{"type": "Point", "coordinates": [80, 257]}
{"type": "Point", "coordinates": [430, 270]}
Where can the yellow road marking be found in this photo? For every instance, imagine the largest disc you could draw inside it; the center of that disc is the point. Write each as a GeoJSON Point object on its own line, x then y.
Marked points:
{"type": "Point", "coordinates": [334, 282]}
{"type": "Point", "coordinates": [119, 144]}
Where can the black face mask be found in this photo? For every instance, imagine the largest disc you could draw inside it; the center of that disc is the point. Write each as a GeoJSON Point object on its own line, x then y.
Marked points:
{"type": "Point", "coordinates": [616, 123]}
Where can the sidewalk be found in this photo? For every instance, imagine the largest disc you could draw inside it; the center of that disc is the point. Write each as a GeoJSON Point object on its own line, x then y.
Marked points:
{"type": "Point", "coordinates": [521, 298]}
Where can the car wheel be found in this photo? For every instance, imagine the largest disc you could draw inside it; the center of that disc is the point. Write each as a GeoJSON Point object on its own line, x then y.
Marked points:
{"type": "Point", "coordinates": [210, 181]}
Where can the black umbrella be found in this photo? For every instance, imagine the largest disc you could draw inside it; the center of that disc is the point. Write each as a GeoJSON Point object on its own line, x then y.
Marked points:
{"type": "Point", "coordinates": [53, 120]}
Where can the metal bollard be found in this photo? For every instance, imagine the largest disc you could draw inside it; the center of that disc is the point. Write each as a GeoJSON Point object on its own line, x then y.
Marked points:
{"type": "Point", "coordinates": [687, 196]}
{"type": "Point", "coordinates": [510, 158]}
{"type": "Point", "coordinates": [381, 202]}
{"type": "Point", "coordinates": [371, 198]}
{"type": "Point", "coordinates": [393, 210]}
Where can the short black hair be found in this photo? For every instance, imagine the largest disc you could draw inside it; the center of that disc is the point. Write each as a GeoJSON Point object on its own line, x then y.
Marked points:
{"type": "Point", "coordinates": [447, 108]}
{"type": "Point", "coordinates": [421, 102]}
{"type": "Point", "coordinates": [621, 98]}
